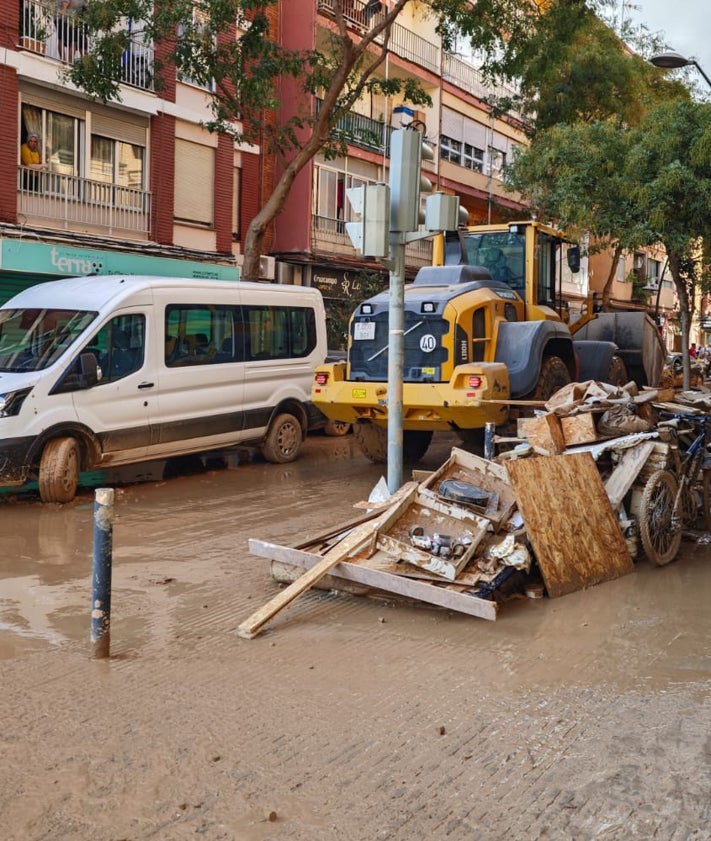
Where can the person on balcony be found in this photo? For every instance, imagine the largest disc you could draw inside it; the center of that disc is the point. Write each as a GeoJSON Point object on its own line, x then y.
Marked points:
{"type": "Point", "coordinates": [31, 158]}
{"type": "Point", "coordinates": [71, 41]}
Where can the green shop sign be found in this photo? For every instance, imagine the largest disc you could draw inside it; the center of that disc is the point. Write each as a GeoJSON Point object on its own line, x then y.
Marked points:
{"type": "Point", "coordinates": [66, 261]}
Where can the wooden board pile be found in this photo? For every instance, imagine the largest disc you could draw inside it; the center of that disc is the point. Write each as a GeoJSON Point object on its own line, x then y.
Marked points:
{"type": "Point", "coordinates": [475, 532]}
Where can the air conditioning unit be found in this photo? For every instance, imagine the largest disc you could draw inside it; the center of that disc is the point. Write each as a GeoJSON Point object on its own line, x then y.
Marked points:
{"type": "Point", "coordinates": [267, 267]}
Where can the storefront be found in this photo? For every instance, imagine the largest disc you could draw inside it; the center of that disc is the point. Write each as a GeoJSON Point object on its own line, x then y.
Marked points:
{"type": "Point", "coordinates": [25, 263]}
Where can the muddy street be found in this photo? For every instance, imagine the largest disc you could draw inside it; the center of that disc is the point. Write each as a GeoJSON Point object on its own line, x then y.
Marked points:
{"type": "Point", "coordinates": [583, 717]}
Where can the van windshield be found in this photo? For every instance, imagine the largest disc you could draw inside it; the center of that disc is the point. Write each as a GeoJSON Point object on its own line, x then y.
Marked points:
{"type": "Point", "coordinates": [32, 339]}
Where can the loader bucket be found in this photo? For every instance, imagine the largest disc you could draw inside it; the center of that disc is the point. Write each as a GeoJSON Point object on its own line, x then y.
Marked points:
{"type": "Point", "coordinates": [637, 337]}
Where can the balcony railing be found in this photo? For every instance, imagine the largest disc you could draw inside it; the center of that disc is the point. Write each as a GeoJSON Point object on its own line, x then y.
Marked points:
{"type": "Point", "coordinates": [70, 202]}
{"type": "Point", "coordinates": [470, 79]}
{"type": "Point", "coordinates": [403, 42]}
{"type": "Point", "coordinates": [63, 37]}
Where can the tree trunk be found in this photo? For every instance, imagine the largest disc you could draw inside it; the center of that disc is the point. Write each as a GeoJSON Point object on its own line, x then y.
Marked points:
{"type": "Point", "coordinates": [682, 292]}
{"type": "Point", "coordinates": [607, 289]}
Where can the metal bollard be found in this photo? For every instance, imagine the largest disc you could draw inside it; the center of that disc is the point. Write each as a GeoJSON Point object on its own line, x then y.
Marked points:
{"type": "Point", "coordinates": [101, 590]}
{"type": "Point", "coordinates": [489, 432]}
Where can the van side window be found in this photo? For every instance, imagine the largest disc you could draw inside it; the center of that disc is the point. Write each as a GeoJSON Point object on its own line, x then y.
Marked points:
{"type": "Point", "coordinates": [279, 332]}
{"type": "Point", "coordinates": [198, 334]}
{"type": "Point", "coordinates": [119, 346]}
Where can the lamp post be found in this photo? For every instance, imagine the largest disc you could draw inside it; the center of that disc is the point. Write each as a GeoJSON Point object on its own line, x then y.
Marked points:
{"type": "Point", "coordinates": [673, 61]}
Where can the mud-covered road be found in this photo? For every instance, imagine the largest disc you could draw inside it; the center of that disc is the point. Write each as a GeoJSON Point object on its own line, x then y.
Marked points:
{"type": "Point", "coordinates": [584, 717]}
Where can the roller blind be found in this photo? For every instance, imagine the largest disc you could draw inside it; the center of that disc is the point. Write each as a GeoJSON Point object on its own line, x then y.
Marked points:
{"type": "Point", "coordinates": [194, 182]}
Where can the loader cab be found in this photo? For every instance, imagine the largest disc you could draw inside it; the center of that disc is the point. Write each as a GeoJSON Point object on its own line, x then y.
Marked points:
{"type": "Point", "coordinates": [529, 256]}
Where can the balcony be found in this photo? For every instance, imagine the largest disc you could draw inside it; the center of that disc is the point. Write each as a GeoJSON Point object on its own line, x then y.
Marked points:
{"type": "Point", "coordinates": [362, 131]}
{"type": "Point", "coordinates": [63, 38]}
{"type": "Point", "coordinates": [470, 79]}
{"type": "Point", "coordinates": [66, 202]}
{"type": "Point", "coordinates": [403, 42]}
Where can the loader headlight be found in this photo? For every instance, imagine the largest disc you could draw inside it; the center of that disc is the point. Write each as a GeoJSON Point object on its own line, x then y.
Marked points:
{"type": "Point", "coordinates": [11, 402]}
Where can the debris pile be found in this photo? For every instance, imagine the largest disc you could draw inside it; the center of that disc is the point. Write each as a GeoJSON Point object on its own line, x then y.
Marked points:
{"type": "Point", "coordinates": [553, 512]}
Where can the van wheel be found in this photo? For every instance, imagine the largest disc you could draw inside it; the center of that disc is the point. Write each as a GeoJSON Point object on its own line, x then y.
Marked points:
{"type": "Point", "coordinates": [283, 441]}
{"type": "Point", "coordinates": [415, 443]}
{"type": "Point", "coordinates": [336, 428]}
{"type": "Point", "coordinates": [59, 470]}
{"type": "Point", "coordinates": [373, 441]}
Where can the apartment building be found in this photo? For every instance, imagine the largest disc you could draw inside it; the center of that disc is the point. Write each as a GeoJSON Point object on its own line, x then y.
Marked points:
{"type": "Point", "coordinates": [472, 147]}
{"type": "Point", "coordinates": [136, 186]}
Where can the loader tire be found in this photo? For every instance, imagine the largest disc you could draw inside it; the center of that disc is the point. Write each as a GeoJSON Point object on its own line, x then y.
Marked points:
{"type": "Point", "coordinates": [372, 440]}
{"type": "Point", "coordinates": [617, 373]}
{"type": "Point", "coordinates": [415, 443]}
{"type": "Point", "coordinates": [554, 376]}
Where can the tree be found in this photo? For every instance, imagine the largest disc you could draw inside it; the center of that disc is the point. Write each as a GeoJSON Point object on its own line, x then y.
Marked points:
{"type": "Point", "coordinates": [670, 161]}
{"type": "Point", "coordinates": [231, 43]}
{"type": "Point", "coordinates": [575, 175]}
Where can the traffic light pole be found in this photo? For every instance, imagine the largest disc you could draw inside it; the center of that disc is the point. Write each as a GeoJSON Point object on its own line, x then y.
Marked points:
{"type": "Point", "coordinates": [394, 209]}
{"type": "Point", "coordinates": [396, 359]}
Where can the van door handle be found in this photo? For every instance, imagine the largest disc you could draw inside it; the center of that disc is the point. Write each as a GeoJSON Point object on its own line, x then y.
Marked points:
{"type": "Point", "coordinates": [145, 385]}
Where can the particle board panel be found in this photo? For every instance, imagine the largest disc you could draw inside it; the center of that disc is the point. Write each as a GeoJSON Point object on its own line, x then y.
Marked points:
{"type": "Point", "coordinates": [572, 528]}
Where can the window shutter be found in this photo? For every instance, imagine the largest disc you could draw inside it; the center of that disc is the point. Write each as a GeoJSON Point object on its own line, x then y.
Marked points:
{"type": "Point", "coordinates": [194, 182]}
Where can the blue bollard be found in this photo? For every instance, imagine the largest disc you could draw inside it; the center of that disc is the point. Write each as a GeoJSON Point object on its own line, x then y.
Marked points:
{"type": "Point", "coordinates": [101, 590]}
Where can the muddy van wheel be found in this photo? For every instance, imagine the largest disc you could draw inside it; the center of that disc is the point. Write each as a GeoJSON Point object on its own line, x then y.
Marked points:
{"type": "Point", "coordinates": [59, 470]}
{"type": "Point", "coordinates": [373, 441]}
{"type": "Point", "coordinates": [283, 441]}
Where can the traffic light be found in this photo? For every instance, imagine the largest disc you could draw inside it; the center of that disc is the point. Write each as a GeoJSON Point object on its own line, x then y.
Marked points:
{"type": "Point", "coordinates": [407, 150]}
{"type": "Point", "coordinates": [371, 233]}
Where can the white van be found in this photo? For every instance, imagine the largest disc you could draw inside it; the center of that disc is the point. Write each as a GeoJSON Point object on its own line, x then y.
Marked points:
{"type": "Point", "coordinates": [98, 371]}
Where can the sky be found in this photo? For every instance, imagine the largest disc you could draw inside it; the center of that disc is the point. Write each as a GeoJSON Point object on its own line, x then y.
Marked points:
{"type": "Point", "coordinates": [685, 25]}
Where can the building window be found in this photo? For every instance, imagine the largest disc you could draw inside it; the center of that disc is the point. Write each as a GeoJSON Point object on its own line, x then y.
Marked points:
{"type": "Point", "coordinates": [196, 37]}
{"type": "Point", "coordinates": [116, 162]}
{"type": "Point", "coordinates": [60, 138]}
{"type": "Point", "coordinates": [497, 162]}
{"type": "Point", "coordinates": [473, 158]}
{"type": "Point", "coordinates": [194, 182]}
{"type": "Point", "coordinates": [332, 206]}
{"type": "Point", "coordinates": [450, 150]}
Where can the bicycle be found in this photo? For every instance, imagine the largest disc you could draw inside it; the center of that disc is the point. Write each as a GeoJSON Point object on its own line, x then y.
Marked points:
{"type": "Point", "coordinates": [674, 497]}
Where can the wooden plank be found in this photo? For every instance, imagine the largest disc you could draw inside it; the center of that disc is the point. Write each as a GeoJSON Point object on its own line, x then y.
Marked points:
{"type": "Point", "coordinates": [544, 433]}
{"type": "Point", "coordinates": [407, 587]}
{"type": "Point", "coordinates": [627, 470]}
{"type": "Point", "coordinates": [355, 539]}
{"type": "Point", "coordinates": [579, 429]}
{"type": "Point", "coordinates": [571, 525]}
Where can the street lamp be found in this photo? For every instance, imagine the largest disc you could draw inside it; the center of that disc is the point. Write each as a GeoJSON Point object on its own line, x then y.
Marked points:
{"type": "Point", "coordinates": [673, 61]}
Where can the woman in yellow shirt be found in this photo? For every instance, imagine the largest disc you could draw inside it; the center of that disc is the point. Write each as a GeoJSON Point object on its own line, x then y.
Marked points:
{"type": "Point", "coordinates": [31, 157]}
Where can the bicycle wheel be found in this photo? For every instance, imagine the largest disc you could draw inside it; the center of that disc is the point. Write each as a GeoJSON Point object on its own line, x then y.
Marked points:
{"type": "Point", "coordinates": [659, 540]}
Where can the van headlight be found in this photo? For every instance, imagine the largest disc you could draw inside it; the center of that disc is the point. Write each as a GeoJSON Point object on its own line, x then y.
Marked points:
{"type": "Point", "coordinates": [11, 402]}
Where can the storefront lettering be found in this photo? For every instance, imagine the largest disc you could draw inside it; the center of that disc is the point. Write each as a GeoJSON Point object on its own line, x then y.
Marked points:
{"type": "Point", "coordinates": [74, 265]}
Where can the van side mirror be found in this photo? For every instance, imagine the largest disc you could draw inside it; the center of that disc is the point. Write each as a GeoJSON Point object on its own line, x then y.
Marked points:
{"type": "Point", "coordinates": [574, 258]}
{"type": "Point", "coordinates": [89, 370]}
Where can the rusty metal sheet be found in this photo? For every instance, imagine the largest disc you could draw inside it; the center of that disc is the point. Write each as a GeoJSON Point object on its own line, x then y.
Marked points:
{"type": "Point", "coordinates": [572, 528]}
